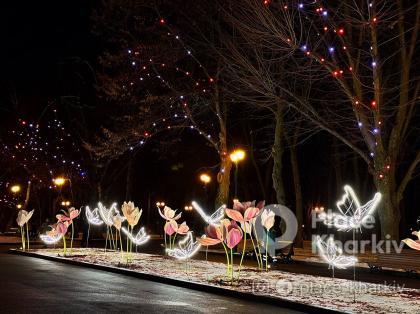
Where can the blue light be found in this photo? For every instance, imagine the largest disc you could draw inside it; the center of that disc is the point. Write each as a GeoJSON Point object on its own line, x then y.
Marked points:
{"type": "Point", "coordinates": [331, 49]}
{"type": "Point", "coordinates": [300, 6]}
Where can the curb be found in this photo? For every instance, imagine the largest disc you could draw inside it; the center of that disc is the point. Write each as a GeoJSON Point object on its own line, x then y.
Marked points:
{"type": "Point", "coordinates": [186, 284]}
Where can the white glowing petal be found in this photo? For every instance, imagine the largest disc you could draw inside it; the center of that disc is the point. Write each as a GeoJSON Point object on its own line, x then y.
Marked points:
{"type": "Point", "coordinates": [187, 248]}
{"type": "Point", "coordinates": [47, 239]}
{"type": "Point", "coordinates": [352, 213]}
{"type": "Point", "coordinates": [140, 238]}
{"type": "Point", "coordinates": [333, 255]}
{"type": "Point", "coordinates": [93, 216]}
{"type": "Point", "coordinates": [213, 218]}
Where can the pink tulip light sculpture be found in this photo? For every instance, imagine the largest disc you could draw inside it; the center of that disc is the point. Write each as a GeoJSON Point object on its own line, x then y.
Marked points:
{"type": "Point", "coordinates": [171, 226]}
{"type": "Point", "coordinates": [69, 216]}
{"type": "Point", "coordinates": [246, 213]}
{"type": "Point", "coordinates": [414, 244]}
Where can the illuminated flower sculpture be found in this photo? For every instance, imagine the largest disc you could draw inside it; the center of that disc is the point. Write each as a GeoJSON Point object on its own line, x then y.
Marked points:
{"type": "Point", "coordinates": [171, 226]}
{"type": "Point", "coordinates": [245, 213]}
{"type": "Point", "coordinates": [22, 219]}
{"type": "Point", "coordinates": [267, 220]}
{"type": "Point", "coordinates": [414, 244]}
{"type": "Point", "coordinates": [58, 231]}
{"type": "Point", "coordinates": [131, 213]}
{"type": "Point", "coordinates": [68, 216]}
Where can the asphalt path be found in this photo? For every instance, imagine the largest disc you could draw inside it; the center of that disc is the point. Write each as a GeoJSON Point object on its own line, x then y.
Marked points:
{"type": "Point", "coordinates": [32, 285]}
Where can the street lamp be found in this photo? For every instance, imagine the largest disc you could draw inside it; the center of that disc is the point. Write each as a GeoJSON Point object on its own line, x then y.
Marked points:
{"type": "Point", "coordinates": [59, 181]}
{"type": "Point", "coordinates": [15, 188]}
{"type": "Point", "coordinates": [65, 203]}
{"type": "Point", "coordinates": [188, 208]}
{"type": "Point", "coordinates": [19, 206]}
{"type": "Point", "coordinates": [236, 156]}
{"type": "Point", "coordinates": [205, 178]}
{"type": "Point", "coordinates": [160, 204]}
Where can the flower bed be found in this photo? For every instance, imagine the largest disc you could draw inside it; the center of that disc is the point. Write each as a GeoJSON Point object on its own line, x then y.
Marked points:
{"type": "Point", "coordinates": [331, 293]}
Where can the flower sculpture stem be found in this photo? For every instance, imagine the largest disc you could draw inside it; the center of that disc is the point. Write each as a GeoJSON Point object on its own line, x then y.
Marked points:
{"type": "Point", "coordinates": [72, 236]}
{"type": "Point", "coordinates": [64, 245]}
{"type": "Point", "coordinates": [22, 232]}
{"type": "Point", "coordinates": [27, 234]}
{"type": "Point", "coordinates": [227, 260]}
{"type": "Point", "coordinates": [242, 257]}
{"type": "Point", "coordinates": [266, 252]}
{"type": "Point", "coordinates": [259, 257]}
{"type": "Point", "coordinates": [231, 264]}
{"type": "Point", "coordinates": [255, 250]}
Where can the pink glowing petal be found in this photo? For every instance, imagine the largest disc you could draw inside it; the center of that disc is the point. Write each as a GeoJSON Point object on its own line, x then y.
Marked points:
{"type": "Point", "coordinates": [205, 241]}
{"type": "Point", "coordinates": [183, 228]}
{"type": "Point", "coordinates": [61, 228]}
{"type": "Point", "coordinates": [238, 206]}
{"type": "Point", "coordinates": [234, 214]}
{"type": "Point", "coordinates": [171, 227]}
{"type": "Point", "coordinates": [233, 238]}
{"type": "Point", "coordinates": [260, 205]}
{"type": "Point", "coordinates": [62, 218]}
{"type": "Point", "coordinates": [251, 212]}
{"type": "Point", "coordinates": [412, 244]}
{"type": "Point", "coordinates": [74, 213]}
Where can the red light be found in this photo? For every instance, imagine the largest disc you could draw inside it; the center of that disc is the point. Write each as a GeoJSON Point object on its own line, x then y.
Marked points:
{"type": "Point", "coordinates": [350, 68]}
{"type": "Point", "coordinates": [211, 80]}
{"type": "Point", "coordinates": [325, 28]}
{"type": "Point", "coordinates": [373, 103]}
{"type": "Point", "coordinates": [341, 31]}
{"type": "Point", "coordinates": [162, 21]}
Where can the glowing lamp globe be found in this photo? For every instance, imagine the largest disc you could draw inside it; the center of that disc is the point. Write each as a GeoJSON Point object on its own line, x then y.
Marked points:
{"type": "Point", "coordinates": [205, 178]}
{"type": "Point", "coordinates": [59, 181]}
{"type": "Point", "coordinates": [15, 188]}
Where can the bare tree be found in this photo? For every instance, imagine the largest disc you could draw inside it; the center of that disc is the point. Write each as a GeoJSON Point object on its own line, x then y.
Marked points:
{"type": "Point", "coordinates": [158, 83]}
{"type": "Point", "coordinates": [359, 57]}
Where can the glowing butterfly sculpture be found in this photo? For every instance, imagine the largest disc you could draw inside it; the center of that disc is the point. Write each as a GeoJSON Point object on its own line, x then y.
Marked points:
{"type": "Point", "coordinates": [106, 214]}
{"type": "Point", "coordinates": [213, 218]}
{"type": "Point", "coordinates": [352, 214]}
{"type": "Point", "coordinates": [93, 216]}
{"type": "Point", "coordinates": [140, 238]}
{"type": "Point", "coordinates": [414, 244]}
{"type": "Point", "coordinates": [333, 255]}
{"type": "Point", "coordinates": [50, 238]}
{"type": "Point", "coordinates": [187, 248]}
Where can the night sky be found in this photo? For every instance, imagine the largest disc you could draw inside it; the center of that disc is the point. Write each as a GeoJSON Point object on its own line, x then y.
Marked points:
{"type": "Point", "coordinates": [49, 54]}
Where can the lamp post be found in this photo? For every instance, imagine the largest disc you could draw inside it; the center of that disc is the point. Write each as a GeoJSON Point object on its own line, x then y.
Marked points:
{"type": "Point", "coordinates": [236, 156]}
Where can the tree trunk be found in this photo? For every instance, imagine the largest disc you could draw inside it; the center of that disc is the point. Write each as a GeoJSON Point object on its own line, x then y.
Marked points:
{"type": "Point", "coordinates": [298, 195]}
{"type": "Point", "coordinates": [277, 151]}
{"type": "Point", "coordinates": [389, 215]}
{"type": "Point", "coordinates": [223, 180]}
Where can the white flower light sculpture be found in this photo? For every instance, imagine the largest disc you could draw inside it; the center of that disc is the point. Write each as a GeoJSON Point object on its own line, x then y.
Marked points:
{"type": "Point", "coordinates": [333, 255]}
{"type": "Point", "coordinates": [140, 238]}
{"type": "Point", "coordinates": [213, 218]}
{"type": "Point", "coordinates": [93, 216]}
{"type": "Point", "coordinates": [353, 215]}
{"type": "Point", "coordinates": [187, 248]}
